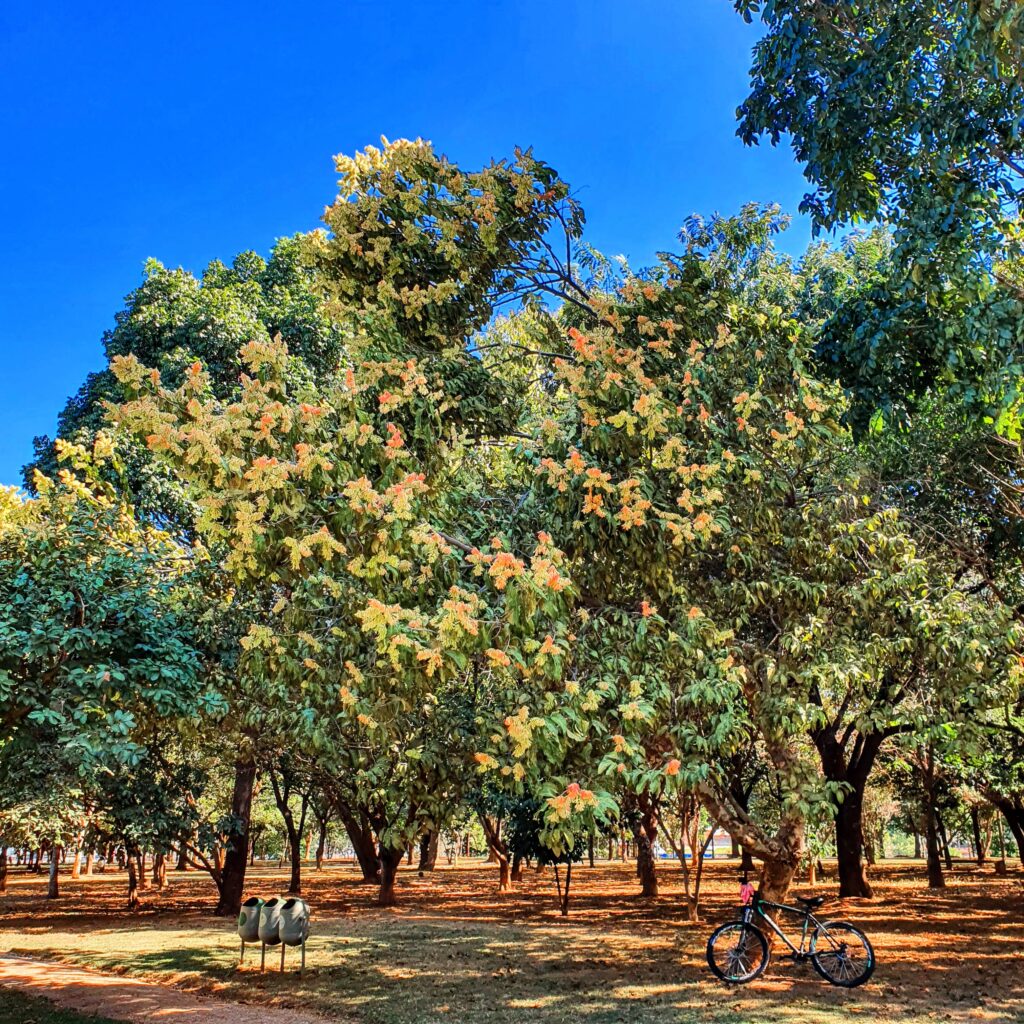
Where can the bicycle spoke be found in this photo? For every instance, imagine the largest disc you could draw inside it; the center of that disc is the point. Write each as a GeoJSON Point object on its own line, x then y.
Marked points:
{"type": "Point", "coordinates": [847, 959]}
{"type": "Point", "coordinates": [737, 954]}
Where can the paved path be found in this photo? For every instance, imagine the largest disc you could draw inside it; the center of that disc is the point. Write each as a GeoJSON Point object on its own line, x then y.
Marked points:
{"type": "Point", "coordinates": [129, 1000]}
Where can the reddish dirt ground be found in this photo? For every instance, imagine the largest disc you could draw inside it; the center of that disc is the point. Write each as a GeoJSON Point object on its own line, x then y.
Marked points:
{"type": "Point", "coordinates": [137, 1002]}
{"type": "Point", "coordinates": [455, 949]}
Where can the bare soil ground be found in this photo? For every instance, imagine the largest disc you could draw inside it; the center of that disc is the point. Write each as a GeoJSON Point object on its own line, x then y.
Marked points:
{"type": "Point", "coordinates": [456, 951]}
{"type": "Point", "coordinates": [127, 999]}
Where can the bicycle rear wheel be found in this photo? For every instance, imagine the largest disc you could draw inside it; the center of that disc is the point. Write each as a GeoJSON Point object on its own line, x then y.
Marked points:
{"type": "Point", "coordinates": [737, 952]}
{"type": "Point", "coordinates": [842, 954]}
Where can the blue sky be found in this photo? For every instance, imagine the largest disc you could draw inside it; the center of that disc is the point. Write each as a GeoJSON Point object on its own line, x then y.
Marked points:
{"type": "Point", "coordinates": [189, 131]}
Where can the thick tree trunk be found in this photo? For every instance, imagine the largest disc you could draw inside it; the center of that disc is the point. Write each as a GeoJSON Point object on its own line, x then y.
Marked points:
{"type": "Point", "coordinates": [517, 867]}
{"type": "Point", "coordinates": [235, 861]}
{"type": "Point", "coordinates": [776, 878]}
{"type": "Point", "coordinates": [853, 876]}
{"type": "Point", "coordinates": [1015, 819]}
{"type": "Point", "coordinates": [851, 769]}
{"type": "Point", "coordinates": [428, 850]}
{"type": "Point", "coordinates": [389, 861]}
{"type": "Point", "coordinates": [360, 835]}
{"type": "Point", "coordinates": [3, 867]}
{"type": "Point", "coordinates": [53, 885]}
{"type": "Point", "coordinates": [780, 853]}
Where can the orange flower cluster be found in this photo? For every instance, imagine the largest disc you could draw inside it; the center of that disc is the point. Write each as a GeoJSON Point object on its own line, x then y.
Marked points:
{"type": "Point", "coordinates": [575, 798]}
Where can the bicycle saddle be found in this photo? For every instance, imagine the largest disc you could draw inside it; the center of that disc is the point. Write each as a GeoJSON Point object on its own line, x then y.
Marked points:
{"type": "Point", "coordinates": [810, 902]}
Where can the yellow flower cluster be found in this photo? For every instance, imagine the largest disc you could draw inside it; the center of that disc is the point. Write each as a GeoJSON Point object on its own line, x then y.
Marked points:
{"type": "Point", "coordinates": [520, 728]}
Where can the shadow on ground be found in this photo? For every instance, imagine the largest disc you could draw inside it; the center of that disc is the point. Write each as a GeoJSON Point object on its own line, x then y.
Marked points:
{"type": "Point", "coordinates": [455, 950]}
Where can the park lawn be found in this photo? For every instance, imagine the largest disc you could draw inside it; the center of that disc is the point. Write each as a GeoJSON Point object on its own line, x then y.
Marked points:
{"type": "Point", "coordinates": [456, 951]}
{"type": "Point", "coordinates": [16, 1008]}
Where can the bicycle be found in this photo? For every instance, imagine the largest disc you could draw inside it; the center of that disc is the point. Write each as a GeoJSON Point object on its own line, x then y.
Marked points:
{"type": "Point", "coordinates": [738, 952]}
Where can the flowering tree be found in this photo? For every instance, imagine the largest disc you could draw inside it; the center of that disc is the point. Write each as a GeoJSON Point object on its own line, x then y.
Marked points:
{"type": "Point", "coordinates": [735, 582]}
{"type": "Point", "coordinates": [378, 630]}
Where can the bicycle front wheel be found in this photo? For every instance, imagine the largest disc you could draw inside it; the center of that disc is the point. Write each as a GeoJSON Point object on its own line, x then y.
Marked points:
{"type": "Point", "coordinates": [737, 952]}
{"type": "Point", "coordinates": [841, 954]}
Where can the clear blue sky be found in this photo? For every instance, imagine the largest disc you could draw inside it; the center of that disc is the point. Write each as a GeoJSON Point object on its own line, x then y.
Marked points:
{"type": "Point", "coordinates": [188, 131]}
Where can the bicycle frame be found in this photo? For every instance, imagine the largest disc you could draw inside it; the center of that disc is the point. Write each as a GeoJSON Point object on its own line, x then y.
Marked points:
{"type": "Point", "coordinates": [757, 906]}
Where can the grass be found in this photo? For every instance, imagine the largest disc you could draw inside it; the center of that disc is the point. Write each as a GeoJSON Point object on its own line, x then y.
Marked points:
{"type": "Point", "coordinates": [16, 1008]}
{"type": "Point", "coordinates": [454, 951]}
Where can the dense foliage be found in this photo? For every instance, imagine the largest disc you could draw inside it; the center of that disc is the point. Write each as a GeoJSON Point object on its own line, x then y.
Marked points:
{"type": "Point", "coordinates": [437, 515]}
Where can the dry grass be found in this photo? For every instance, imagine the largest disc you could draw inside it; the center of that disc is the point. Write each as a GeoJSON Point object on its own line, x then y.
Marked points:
{"type": "Point", "coordinates": [456, 951]}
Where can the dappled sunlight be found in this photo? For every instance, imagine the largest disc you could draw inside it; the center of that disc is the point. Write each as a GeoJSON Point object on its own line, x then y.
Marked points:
{"type": "Point", "coordinates": [456, 948]}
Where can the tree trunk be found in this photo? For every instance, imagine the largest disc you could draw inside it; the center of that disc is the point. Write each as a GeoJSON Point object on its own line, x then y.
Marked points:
{"type": "Point", "coordinates": [498, 849]}
{"type": "Point", "coordinates": [360, 835]}
{"type": "Point", "coordinates": [563, 894]}
{"type": "Point", "coordinates": [869, 850]}
{"type": "Point", "coordinates": [917, 845]}
{"type": "Point", "coordinates": [1015, 819]}
{"type": "Point", "coordinates": [53, 886]}
{"type": "Point", "coordinates": [645, 831]}
{"type": "Point", "coordinates": [776, 878]}
{"type": "Point", "coordinates": [853, 876]}
{"type": "Point", "coordinates": [428, 850]}
{"type": "Point", "coordinates": [295, 848]}
{"type": "Point", "coordinates": [3, 867]}
{"type": "Point", "coordinates": [159, 870]}
{"type": "Point", "coordinates": [517, 867]}
{"type": "Point", "coordinates": [843, 764]}
{"type": "Point", "coordinates": [133, 883]}
{"type": "Point", "coordinates": [389, 861]}
{"type": "Point", "coordinates": [780, 853]}
{"type": "Point", "coordinates": [979, 846]}
{"type": "Point", "coordinates": [504, 873]}
{"type": "Point", "coordinates": [936, 880]}
{"type": "Point", "coordinates": [947, 856]}
{"type": "Point", "coordinates": [235, 862]}
{"type": "Point", "coordinates": [321, 843]}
